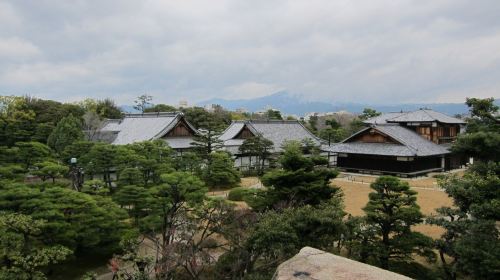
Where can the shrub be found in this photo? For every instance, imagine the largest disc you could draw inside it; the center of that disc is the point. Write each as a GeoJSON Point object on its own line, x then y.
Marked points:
{"type": "Point", "coordinates": [242, 194]}
{"type": "Point", "coordinates": [238, 194]}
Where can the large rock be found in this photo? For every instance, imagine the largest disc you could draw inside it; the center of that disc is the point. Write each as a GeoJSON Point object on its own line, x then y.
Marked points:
{"type": "Point", "coordinates": [314, 264]}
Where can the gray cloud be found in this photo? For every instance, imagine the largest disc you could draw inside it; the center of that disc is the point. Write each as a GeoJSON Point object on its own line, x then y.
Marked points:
{"type": "Point", "coordinates": [360, 51]}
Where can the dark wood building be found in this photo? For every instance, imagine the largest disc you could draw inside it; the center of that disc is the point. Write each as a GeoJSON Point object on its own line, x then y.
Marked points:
{"type": "Point", "coordinates": [404, 144]}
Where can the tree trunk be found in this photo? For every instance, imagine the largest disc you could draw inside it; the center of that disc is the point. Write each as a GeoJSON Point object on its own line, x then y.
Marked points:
{"type": "Point", "coordinates": [384, 258]}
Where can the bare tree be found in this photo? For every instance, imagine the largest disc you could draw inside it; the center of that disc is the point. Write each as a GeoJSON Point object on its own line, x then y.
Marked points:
{"type": "Point", "coordinates": [91, 125]}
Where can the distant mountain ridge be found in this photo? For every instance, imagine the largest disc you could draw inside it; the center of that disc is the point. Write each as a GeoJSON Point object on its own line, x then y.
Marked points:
{"type": "Point", "coordinates": [290, 104]}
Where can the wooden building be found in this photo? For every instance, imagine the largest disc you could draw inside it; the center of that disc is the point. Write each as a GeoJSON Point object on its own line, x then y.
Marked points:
{"type": "Point", "coordinates": [171, 127]}
{"type": "Point", "coordinates": [277, 131]}
{"type": "Point", "coordinates": [404, 144]}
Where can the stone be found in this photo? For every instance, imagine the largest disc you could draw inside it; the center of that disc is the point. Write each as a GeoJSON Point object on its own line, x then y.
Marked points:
{"type": "Point", "coordinates": [314, 264]}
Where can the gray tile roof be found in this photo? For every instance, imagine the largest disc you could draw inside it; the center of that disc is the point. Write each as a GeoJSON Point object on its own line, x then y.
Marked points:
{"type": "Point", "coordinates": [411, 144]}
{"type": "Point", "coordinates": [422, 115]}
{"type": "Point", "coordinates": [142, 127]}
{"type": "Point", "coordinates": [382, 119]}
{"type": "Point", "coordinates": [276, 131]}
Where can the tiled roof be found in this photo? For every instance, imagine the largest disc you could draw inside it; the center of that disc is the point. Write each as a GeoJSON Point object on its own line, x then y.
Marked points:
{"type": "Point", "coordinates": [141, 127]}
{"type": "Point", "coordinates": [276, 131]}
{"type": "Point", "coordinates": [422, 115]}
{"type": "Point", "coordinates": [411, 144]}
{"type": "Point", "coordinates": [382, 119]}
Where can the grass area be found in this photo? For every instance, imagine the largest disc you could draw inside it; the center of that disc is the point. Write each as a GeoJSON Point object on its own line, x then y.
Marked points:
{"type": "Point", "coordinates": [247, 182]}
{"type": "Point", "coordinates": [429, 198]}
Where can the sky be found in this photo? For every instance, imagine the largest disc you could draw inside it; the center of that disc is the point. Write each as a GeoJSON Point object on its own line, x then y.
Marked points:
{"type": "Point", "coordinates": [371, 51]}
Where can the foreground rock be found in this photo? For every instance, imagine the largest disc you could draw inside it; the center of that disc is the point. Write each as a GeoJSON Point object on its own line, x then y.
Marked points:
{"type": "Point", "coordinates": [314, 264]}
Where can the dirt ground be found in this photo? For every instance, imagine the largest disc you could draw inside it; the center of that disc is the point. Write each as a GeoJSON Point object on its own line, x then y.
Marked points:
{"type": "Point", "coordinates": [429, 197]}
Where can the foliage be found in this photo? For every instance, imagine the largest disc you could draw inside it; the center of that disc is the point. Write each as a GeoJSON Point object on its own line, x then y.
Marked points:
{"type": "Point", "coordinates": [16, 121]}
{"type": "Point", "coordinates": [160, 108]}
{"type": "Point", "coordinates": [76, 220]}
{"type": "Point", "coordinates": [206, 142]}
{"type": "Point", "coordinates": [258, 246]}
{"type": "Point", "coordinates": [130, 176]}
{"type": "Point", "coordinates": [133, 198]}
{"type": "Point", "coordinates": [95, 187]}
{"type": "Point", "coordinates": [168, 207]}
{"type": "Point", "coordinates": [67, 131]}
{"type": "Point", "coordinates": [482, 139]}
{"type": "Point", "coordinates": [188, 162]}
{"type": "Point", "coordinates": [107, 109]}
{"type": "Point", "coordinates": [313, 123]}
{"type": "Point", "coordinates": [11, 172]}
{"type": "Point", "coordinates": [471, 240]}
{"type": "Point", "coordinates": [91, 125]}
{"type": "Point", "coordinates": [333, 135]}
{"type": "Point", "coordinates": [200, 118]}
{"type": "Point", "coordinates": [369, 113]}
{"type": "Point", "coordinates": [273, 114]}
{"type": "Point", "coordinates": [50, 170]}
{"type": "Point", "coordinates": [142, 102]}
{"type": "Point", "coordinates": [78, 150]}
{"type": "Point", "coordinates": [285, 233]}
{"type": "Point", "coordinates": [23, 254]}
{"type": "Point", "coordinates": [29, 153]}
{"type": "Point", "coordinates": [151, 158]}
{"type": "Point", "coordinates": [220, 171]}
{"type": "Point", "coordinates": [392, 211]}
{"type": "Point", "coordinates": [101, 159]}
{"type": "Point", "coordinates": [240, 193]}
{"type": "Point", "coordinates": [298, 183]}
{"type": "Point", "coordinates": [258, 147]}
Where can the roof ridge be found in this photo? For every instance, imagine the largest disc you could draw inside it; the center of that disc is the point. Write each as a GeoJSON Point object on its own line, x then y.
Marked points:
{"type": "Point", "coordinates": [404, 142]}
{"type": "Point", "coordinates": [427, 113]}
{"type": "Point", "coordinates": [153, 114]}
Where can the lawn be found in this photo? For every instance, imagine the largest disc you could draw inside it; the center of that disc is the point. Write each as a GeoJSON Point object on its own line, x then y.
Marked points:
{"type": "Point", "coordinates": [429, 198]}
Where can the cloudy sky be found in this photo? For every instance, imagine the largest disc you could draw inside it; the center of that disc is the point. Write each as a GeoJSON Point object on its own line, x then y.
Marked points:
{"type": "Point", "coordinates": [333, 50]}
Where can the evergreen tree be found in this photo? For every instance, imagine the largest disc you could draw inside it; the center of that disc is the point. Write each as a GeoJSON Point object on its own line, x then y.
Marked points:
{"type": "Point", "coordinates": [134, 199]}
{"type": "Point", "coordinates": [50, 170]}
{"type": "Point", "coordinates": [471, 242]}
{"type": "Point", "coordinates": [67, 131]}
{"type": "Point", "coordinates": [369, 113]}
{"type": "Point", "coordinates": [95, 187]}
{"type": "Point", "coordinates": [220, 171]}
{"type": "Point", "coordinates": [168, 207]}
{"type": "Point", "coordinates": [482, 140]}
{"type": "Point", "coordinates": [23, 254]}
{"type": "Point", "coordinates": [258, 147]}
{"type": "Point", "coordinates": [75, 220]}
{"type": "Point", "coordinates": [392, 211]}
{"type": "Point", "coordinates": [29, 153]}
{"type": "Point", "coordinates": [107, 109]}
{"type": "Point", "coordinates": [299, 182]}
{"type": "Point", "coordinates": [101, 159]}
{"type": "Point", "coordinates": [143, 102]}
{"type": "Point", "coordinates": [207, 141]}
{"type": "Point", "coordinates": [153, 158]}
{"type": "Point", "coordinates": [17, 122]}
{"type": "Point", "coordinates": [160, 108]}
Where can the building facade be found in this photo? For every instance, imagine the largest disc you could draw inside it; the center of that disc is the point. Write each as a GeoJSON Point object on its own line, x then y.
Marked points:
{"type": "Point", "coordinates": [404, 144]}
{"type": "Point", "coordinates": [277, 131]}
{"type": "Point", "coordinates": [171, 127]}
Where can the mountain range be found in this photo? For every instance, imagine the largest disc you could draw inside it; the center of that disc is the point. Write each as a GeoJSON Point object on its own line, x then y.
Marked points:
{"type": "Point", "coordinates": [293, 105]}
{"type": "Point", "coordinates": [290, 104]}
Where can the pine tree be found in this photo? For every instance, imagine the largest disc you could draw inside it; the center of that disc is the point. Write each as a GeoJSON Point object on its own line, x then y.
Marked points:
{"type": "Point", "coordinates": [299, 183]}
{"type": "Point", "coordinates": [392, 210]}
{"type": "Point", "coordinates": [258, 147]}
{"type": "Point", "coordinates": [67, 131]}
